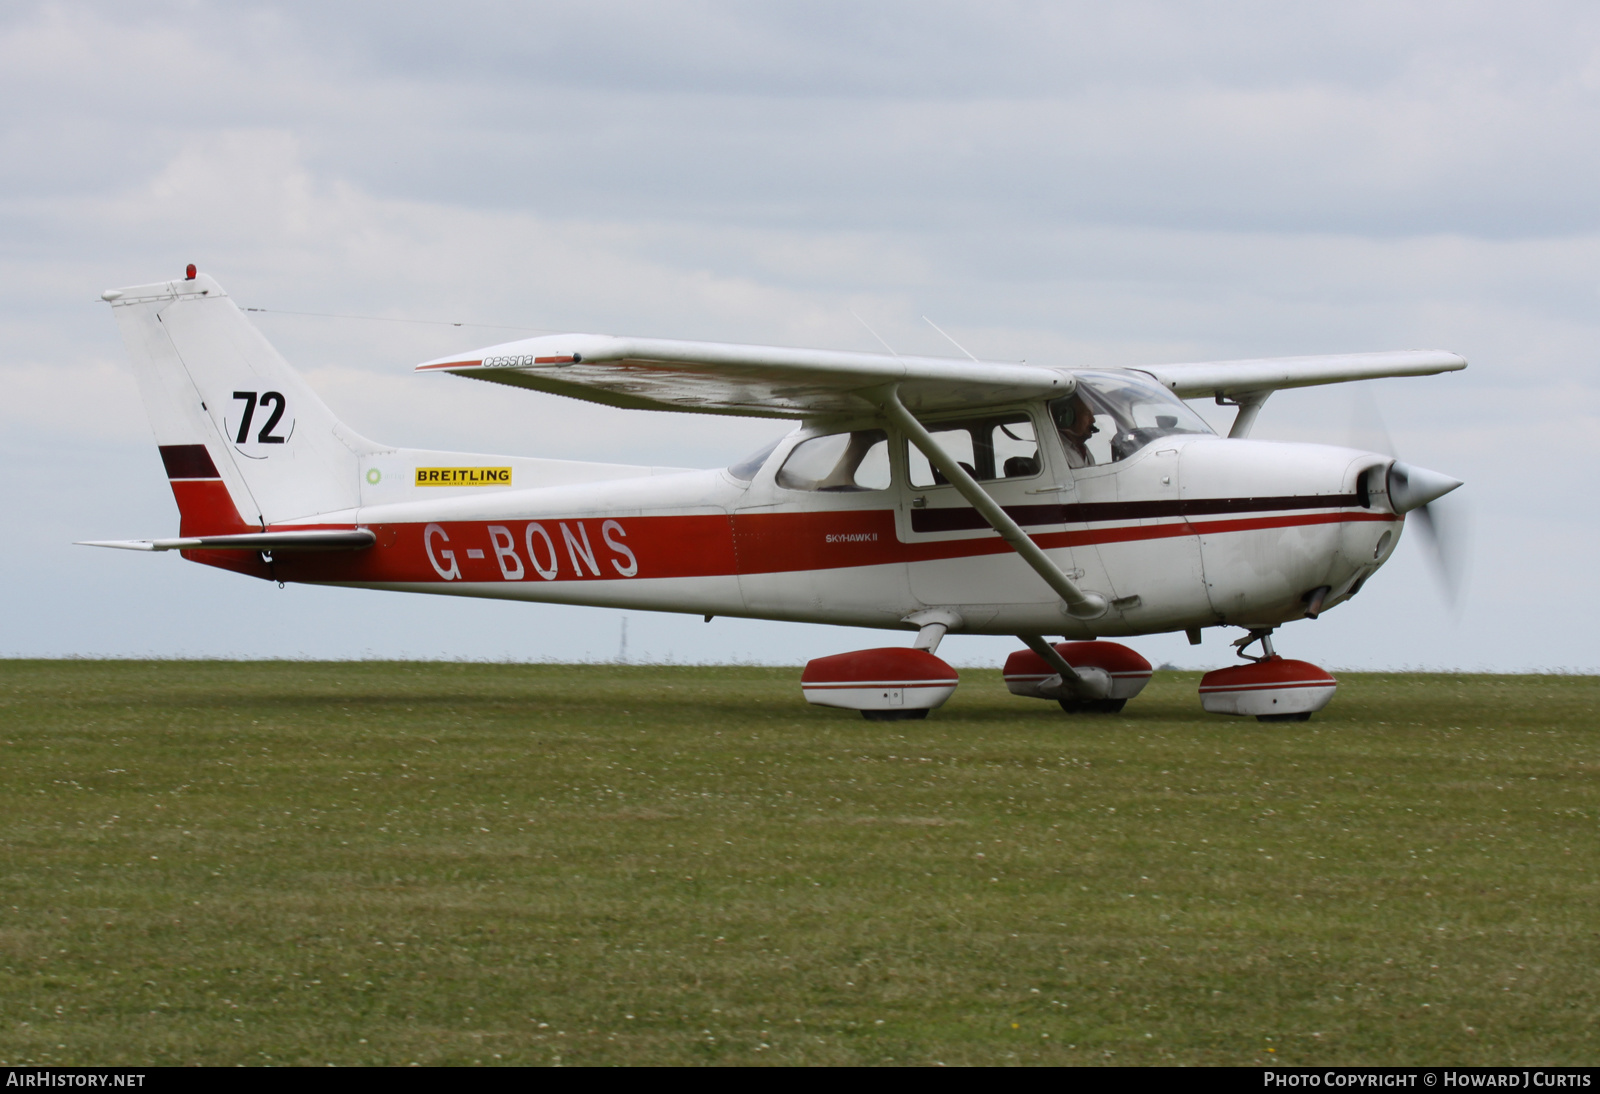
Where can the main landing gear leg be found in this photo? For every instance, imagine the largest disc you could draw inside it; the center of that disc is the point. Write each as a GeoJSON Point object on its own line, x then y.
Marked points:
{"type": "Point", "coordinates": [1084, 677]}
{"type": "Point", "coordinates": [1078, 704]}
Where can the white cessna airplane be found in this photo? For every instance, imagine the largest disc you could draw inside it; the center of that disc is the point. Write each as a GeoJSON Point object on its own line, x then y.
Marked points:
{"type": "Point", "coordinates": [921, 494]}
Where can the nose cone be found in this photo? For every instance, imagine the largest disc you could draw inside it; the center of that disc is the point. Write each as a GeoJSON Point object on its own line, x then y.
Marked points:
{"type": "Point", "coordinates": [1413, 487]}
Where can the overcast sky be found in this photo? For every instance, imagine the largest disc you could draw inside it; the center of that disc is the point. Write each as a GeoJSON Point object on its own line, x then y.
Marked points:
{"type": "Point", "coordinates": [1079, 184]}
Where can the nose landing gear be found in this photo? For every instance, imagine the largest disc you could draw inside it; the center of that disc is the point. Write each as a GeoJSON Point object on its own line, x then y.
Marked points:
{"type": "Point", "coordinates": [1270, 687]}
{"type": "Point", "coordinates": [1260, 634]}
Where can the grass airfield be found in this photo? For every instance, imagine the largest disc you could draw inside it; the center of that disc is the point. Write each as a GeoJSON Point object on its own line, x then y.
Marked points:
{"type": "Point", "coordinates": [388, 863]}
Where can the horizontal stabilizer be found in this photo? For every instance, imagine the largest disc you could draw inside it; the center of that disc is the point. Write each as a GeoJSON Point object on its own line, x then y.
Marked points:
{"type": "Point", "coordinates": [349, 539]}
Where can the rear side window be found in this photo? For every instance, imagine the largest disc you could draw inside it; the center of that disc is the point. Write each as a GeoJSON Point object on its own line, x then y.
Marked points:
{"type": "Point", "coordinates": [839, 462]}
{"type": "Point", "coordinates": [751, 465]}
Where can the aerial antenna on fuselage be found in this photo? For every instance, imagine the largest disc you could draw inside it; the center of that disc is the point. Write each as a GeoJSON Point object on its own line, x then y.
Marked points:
{"type": "Point", "coordinates": [396, 319]}
{"type": "Point", "coordinates": [952, 341]}
{"type": "Point", "coordinates": [872, 332]}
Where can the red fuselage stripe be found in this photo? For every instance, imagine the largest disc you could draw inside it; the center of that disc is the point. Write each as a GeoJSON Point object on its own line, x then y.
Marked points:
{"type": "Point", "coordinates": [710, 545]}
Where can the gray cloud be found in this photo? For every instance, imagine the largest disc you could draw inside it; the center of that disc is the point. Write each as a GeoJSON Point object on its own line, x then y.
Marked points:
{"type": "Point", "coordinates": [1075, 183]}
{"type": "Point", "coordinates": [1444, 118]}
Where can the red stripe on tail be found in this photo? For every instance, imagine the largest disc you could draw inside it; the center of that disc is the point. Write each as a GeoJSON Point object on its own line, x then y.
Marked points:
{"type": "Point", "coordinates": [205, 508]}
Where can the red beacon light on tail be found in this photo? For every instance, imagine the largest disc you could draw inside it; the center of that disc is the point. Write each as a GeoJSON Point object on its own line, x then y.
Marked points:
{"type": "Point", "coordinates": [189, 272]}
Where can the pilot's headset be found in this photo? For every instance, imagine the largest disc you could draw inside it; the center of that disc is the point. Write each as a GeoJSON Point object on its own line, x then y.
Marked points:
{"type": "Point", "coordinates": [1066, 412]}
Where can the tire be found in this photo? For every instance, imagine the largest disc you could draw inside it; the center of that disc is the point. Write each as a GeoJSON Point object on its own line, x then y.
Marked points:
{"type": "Point", "coordinates": [894, 715]}
{"type": "Point", "coordinates": [1092, 706]}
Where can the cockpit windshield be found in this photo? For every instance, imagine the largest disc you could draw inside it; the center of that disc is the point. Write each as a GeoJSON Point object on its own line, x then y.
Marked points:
{"type": "Point", "coordinates": [1113, 415]}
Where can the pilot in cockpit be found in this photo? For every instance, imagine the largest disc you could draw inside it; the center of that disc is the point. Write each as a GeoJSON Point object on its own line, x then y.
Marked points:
{"type": "Point", "coordinates": [1075, 422]}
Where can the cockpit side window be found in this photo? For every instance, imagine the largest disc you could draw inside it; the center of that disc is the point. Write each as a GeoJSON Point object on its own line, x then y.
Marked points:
{"type": "Point", "coordinates": [1112, 416]}
{"type": "Point", "coordinates": [838, 462]}
{"type": "Point", "coordinates": [1002, 446]}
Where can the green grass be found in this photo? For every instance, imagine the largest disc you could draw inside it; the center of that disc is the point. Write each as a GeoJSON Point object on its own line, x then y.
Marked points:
{"type": "Point", "coordinates": [459, 863]}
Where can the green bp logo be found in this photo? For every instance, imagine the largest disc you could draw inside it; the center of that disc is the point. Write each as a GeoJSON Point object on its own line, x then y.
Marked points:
{"type": "Point", "coordinates": [374, 476]}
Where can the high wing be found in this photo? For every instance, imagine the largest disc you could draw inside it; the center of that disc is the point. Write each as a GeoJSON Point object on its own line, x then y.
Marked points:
{"type": "Point", "coordinates": [1234, 378]}
{"type": "Point", "coordinates": [755, 381]}
{"type": "Point", "coordinates": [779, 382]}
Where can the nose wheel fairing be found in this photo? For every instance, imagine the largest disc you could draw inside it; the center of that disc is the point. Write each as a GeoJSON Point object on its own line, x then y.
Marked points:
{"type": "Point", "coordinates": [1271, 688]}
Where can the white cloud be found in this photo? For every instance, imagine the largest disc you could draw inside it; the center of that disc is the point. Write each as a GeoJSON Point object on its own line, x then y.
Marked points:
{"type": "Point", "coordinates": [93, 400]}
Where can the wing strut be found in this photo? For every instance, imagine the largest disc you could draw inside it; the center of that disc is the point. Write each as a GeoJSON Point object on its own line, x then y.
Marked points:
{"type": "Point", "coordinates": [1080, 604]}
{"type": "Point", "coordinates": [1249, 404]}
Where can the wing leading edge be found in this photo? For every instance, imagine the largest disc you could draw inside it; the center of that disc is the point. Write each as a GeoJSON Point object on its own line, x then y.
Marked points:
{"type": "Point", "coordinates": [756, 381]}
{"type": "Point", "coordinates": [780, 382]}
{"type": "Point", "coordinates": [1234, 378]}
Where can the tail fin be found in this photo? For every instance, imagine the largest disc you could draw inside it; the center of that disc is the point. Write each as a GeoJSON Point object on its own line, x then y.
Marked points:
{"type": "Point", "coordinates": [245, 442]}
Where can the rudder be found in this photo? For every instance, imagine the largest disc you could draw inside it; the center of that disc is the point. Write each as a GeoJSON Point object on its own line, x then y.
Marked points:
{"type": "Point", "coordinates": [245, 441]}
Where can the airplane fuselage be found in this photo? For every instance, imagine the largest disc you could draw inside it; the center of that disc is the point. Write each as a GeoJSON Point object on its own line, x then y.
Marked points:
{"type": "Point", "coordinates": [1191, 531]}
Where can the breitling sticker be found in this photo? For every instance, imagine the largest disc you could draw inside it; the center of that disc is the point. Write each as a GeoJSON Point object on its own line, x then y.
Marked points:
{"type": "Point", "coordinates": [463, 476]}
